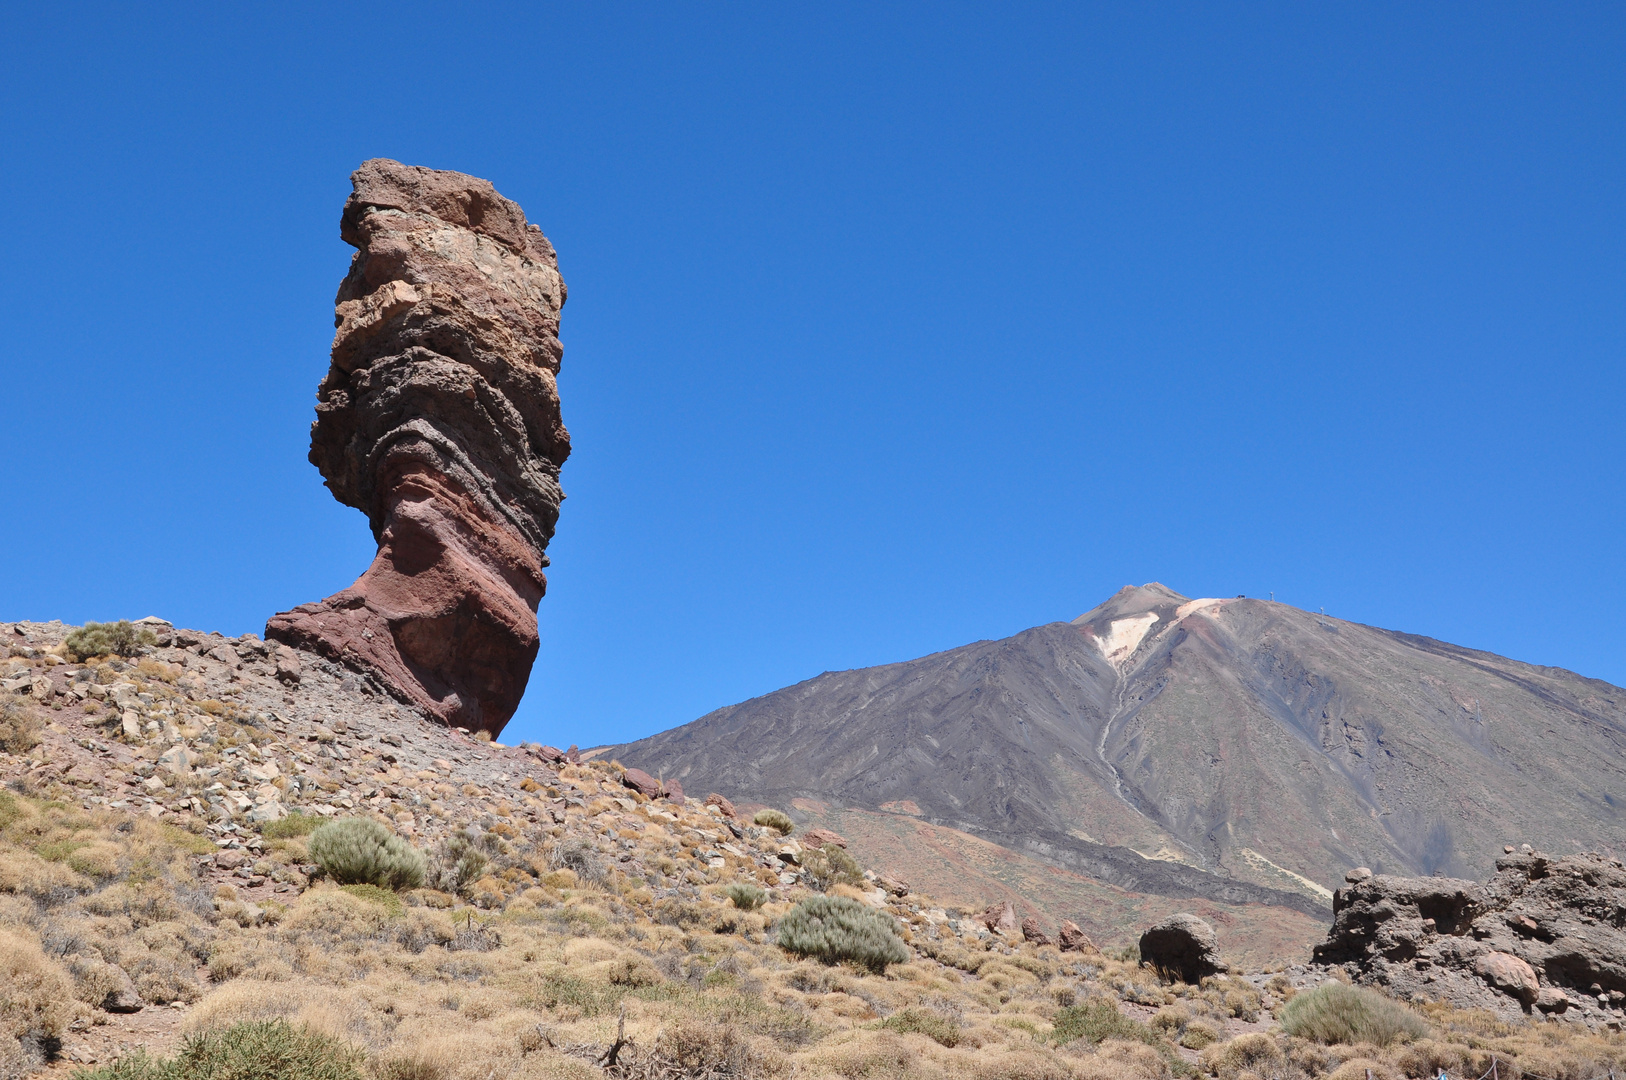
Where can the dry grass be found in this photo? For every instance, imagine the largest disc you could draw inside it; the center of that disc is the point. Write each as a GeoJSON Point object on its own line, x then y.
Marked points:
{"type": "Point", "coordinates": [427, 986]}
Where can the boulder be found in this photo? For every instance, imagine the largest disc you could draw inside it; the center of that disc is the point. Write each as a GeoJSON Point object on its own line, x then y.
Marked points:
{"type": "Point", "coordinates": [1183, 946]}
{"type": "Point", "coordinates": [1510, 975]}
{"type": "Point", "coordinates": [674, 791]}
{"type": "Point", "coordinates": [642, 783]}
{"type": "Point", "coordinates": [821, 837]}
{"type": "Point", "coordinates": [551, 754]}
{"type": "Point", "coordinates": [894, 885]}
{"type": "Point", "coordinates": [722, 803]}
{"type": "Point", "coordinates": [1032, 933]}
{"type": "Point", "coordinates": [1072, 939]}
{"type": "Point", "coordinates": [439, 419]}
{"type": "Point", "coordinates": [999, 918]}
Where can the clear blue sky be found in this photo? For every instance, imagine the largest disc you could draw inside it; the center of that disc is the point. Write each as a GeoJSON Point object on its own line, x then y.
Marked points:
{"type": "Point", "coordinates": [891, 327]}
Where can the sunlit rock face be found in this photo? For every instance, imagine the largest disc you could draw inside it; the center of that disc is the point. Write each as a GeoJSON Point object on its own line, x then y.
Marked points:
{"type": "Point", "coordinates": [439, 419]}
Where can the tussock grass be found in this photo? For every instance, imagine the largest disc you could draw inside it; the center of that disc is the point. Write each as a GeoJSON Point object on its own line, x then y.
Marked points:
{"type": "Point", "coordinates": [1336, 1013]}
{"type": "Point", "coordinates": [775, 819]}
{"type": "Point", "coordinates": [269, 1050]}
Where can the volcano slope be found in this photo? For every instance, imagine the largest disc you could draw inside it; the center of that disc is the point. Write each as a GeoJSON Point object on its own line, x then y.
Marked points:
{"type": "Point", "coordinates": [1238, 750]}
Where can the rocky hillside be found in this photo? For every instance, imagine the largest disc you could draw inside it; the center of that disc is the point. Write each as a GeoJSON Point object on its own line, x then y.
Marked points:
{"type": "Point", "coordinates": [1232, 749]}
{"type": "Point", "coordinates": [159, 881]}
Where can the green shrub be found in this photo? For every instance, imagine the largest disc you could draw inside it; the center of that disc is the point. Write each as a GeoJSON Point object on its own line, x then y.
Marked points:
{"type": "Point", "coordinates": [269, 1050]}
{"type": "Point", "coordinates": [830, 864]}
{"type": "Point", "coordinates": [939, 1029]}
{"type": "Point", "coordinates": [360, 851]}
{"type": "Point", "coordinates": [1097, 1020]}
{"type": "Point", "coordinates": [122, 638]}
{"type": "Point", "coordinates": [295, 824]}
{"type": "Point", "coordinates": [775, 819]}
{"type": "Point", "coordinates": [1336, 1013]}
{"type": "Point", "coordinates": [834, 928]}
{"type": "Point", "coordinates": [747, 896]}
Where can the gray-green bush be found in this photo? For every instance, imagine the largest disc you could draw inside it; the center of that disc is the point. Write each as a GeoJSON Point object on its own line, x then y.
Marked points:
{"type": "Point", "coordinates": [746, 895]}
{"type": "Point", "coordinates": [122, 638]}
{"type": "Point", "coordinates": [270, 1050]}
{"type": "Point", "coordinates": [360, 851]}
{"type": "Point", "coordinates": [834, 928]}
{"type": "Point", "coordinates": [940, 1029]}
{"type": "Point", "coordinates": [1336, 1013]}
{"type": "Point", "coordinates": [774, 819]}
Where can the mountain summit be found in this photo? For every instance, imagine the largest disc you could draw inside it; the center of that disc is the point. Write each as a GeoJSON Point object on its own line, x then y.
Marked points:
{"type": "Point", "coordinates": [1236, 749]}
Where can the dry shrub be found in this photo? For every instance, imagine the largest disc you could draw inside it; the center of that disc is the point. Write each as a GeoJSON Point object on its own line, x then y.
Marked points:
{"type": "Point", "coordinates": [777, 820]}
{"type": "Point", "coordinates": [943, 1030]}
{"type": "Point", "coordinates": [873, 1055]}
{"type": "Point", "coordinates": [1336, 1013]}
{"type": "Point", "coordinates": [1360, 1068]}
{"type": "Point", "coordinates": [1096, 1021]}
{"type": "Point", "coordinates": [1003, 1064]}
{"type": "Point", "coordinates": [19, 727]}
{"type": "Point", "coordinates": [121, 638]}
{"type": "Point", "coordinates": [1253, 1053]}
{"type": "Point", "coordinates": [35, 1005]}
{"type": "Point", "coordinates": [47, 882]}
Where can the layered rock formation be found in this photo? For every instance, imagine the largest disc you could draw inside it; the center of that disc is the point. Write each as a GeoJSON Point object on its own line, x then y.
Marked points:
{"type": "Point", "coordinates": [1544, 932]}
{"type": "Point", "coordinates": [439, 419]}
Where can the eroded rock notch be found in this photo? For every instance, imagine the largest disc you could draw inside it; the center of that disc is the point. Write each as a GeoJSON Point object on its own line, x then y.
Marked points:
{"type": "Point", "coordinates": [439, 419]}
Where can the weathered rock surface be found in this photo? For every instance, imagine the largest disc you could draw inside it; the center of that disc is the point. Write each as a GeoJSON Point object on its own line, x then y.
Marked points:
{"type": "Point", "coordinates": [1072, 938]}
{"type": "Point", "coordinates": [439, 419]}
{"type": "Point", "coordinates": [1182, 945]}
{"type": "Point", "coordinates": [1544, 932]}
{"type": "Point", "coordinates": [1031, 932]}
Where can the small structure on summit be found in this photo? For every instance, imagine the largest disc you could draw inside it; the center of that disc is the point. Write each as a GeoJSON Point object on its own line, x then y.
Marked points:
{"type": "Point", "coordinates": [439, 419]}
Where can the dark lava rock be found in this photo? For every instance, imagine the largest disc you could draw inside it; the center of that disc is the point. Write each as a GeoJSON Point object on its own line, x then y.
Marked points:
{"type": "Point", "coordinates": [1184, 946]}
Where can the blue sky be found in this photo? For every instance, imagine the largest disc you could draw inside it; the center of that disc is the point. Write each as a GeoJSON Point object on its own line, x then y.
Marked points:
{"type": "Point", "coordinates": [890, 327]}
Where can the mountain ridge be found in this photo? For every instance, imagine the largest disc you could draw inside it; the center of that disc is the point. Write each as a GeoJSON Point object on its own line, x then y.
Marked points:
{"type": "Point", "coordinates": [1220, 747]}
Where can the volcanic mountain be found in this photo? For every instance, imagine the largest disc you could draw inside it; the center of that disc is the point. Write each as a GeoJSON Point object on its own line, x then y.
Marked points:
{"type": "Point", "coordinates": [1240, 750]}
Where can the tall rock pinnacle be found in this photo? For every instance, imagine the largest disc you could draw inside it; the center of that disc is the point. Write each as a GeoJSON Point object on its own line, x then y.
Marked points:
{"type": "Point", "coordinates": [439, 419]}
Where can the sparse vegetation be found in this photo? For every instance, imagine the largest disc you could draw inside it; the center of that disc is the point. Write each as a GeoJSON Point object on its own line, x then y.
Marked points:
{"type": "Point", "coordinates": [831, 865]}
{"type": "Point", "coordinates": [1336, 1013]}
{"type": "Point", "coordinates": [360, 851]}
{"type": "Point", "coordinates": [940, 1029]}
{"type": "Point", "coordinates": [19, 727]}
{"type": "Point", "coordinates": [775, 819]}
{"type": "Point", "coordinates": [295, 824]}
{"type": "Point", "coordinates": [269, 1050]}
{"type": "Point", "coordinates": [834, 929]}
{"type": "Point", "coordinates": [122, 638]}
{"type": "Point", "coordinates": [746, 895]}
{"type": "Point", "coordinates": [1096, 1021]}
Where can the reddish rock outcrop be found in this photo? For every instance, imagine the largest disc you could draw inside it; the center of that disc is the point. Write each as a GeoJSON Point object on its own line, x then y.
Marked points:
{"type": "Point", "coordinates": [723, 803]}
{"type": "Point", "coordinates": [999, 918]}
{"type": "Point", "coordinates": [439, 419]}
{"type": "Point", "coordinates": [1032, 933]}
{"type": "Point", "coordinates": [1072, 938]}
{"type": "Point", "coordinates": [821, 837]}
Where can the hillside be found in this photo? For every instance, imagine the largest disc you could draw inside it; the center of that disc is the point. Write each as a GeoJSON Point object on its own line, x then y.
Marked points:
{"type": "Point", "coordinates": [162, 893]}
{"type": "Point", "coordinates": [1237, 750]}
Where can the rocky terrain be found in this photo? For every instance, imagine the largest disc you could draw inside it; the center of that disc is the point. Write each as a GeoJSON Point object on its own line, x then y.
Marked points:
{"type": "Point", "coordinates": [1544, 932]}
{"type": "Point", "coordinates": [1234, 750]}
{"type": "Point", "coordinates": [439, 419]}
{"type": "Point", "coordinates": [578, 918]}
